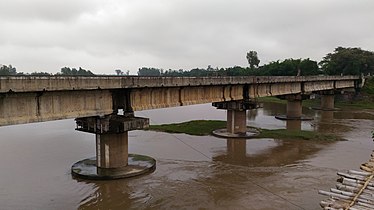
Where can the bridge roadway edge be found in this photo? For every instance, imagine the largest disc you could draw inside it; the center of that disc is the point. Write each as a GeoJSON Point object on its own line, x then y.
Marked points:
{"type": "Point", "coordinates": [37, 99]}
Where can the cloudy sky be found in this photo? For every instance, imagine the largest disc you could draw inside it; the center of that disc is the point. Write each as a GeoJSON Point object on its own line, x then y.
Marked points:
{"type": "Point", "coordinates": [104, 35]}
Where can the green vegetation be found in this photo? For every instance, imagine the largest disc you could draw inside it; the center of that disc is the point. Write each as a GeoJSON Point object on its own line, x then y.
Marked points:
{"type": "Point", "coordinates": [253, 60]}
{"type": "Point", "coordinates": [195, 127]}
{"type": "Point", "coordinates": [75, 72]}
{"type": "Point", "coordinates": [205, 127]}
{"type": "Point", "coordinates": [348, 61]}
{"type": "Point", "coordinates": [303, 135]}
{"type": "Point", "coordinates": [364, 101]}
{"type": "Point", "coordinates": [273, 99]}
{"type": "Point", "coordinates": [343, 61]}
{"type": "Point", "coordinates": [11, 71]}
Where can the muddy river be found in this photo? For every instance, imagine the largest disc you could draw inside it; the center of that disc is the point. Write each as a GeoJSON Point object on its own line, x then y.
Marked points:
{"type": "Point", "coordinates": [192, 172]}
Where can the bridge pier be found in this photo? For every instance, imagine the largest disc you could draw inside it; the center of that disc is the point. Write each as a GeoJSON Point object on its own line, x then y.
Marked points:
{"type": "Point", "coordinates": [236, 126]}
{"type": "Point", "coordinates": [294, 107]}
{"type": "Point", "coordinates": [327, 101]}
{"type": "Point", "coordinates": [112, 160]}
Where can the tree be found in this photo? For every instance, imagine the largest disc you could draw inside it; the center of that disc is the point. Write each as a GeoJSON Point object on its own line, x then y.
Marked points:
{"type": "Point", "coordinates": [75, 72]}
{"type": "Point", "coordinates": [8, 70]}
{"type": "Point", "coordinates": [144, 71]}
{"type": "Point", "coordinates": [348, 61]}
{"type": "Point", "coordinates": [40, 74]}
{"type": "Point", "coordinates": [290, 67]}
{"type": "Point", "coordinates": [253, 60]}
{"type": "Point", "coordinates": [119, 72]}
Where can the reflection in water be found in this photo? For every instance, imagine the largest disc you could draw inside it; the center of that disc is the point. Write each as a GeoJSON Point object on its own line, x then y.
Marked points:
{"type": "Point", "coordinates": [107, 195]}
{"type": "Point", "coordinates": [293, 125]}
{"type": "Point", "coordinates": [328, 123]}
{"type": "Point", "coordinates": [326, 116]}
{"type": "Point", "coordinates": [252, 114]}
{"type": "Point", "coordinates": [362, 114]}
{"type": "Point", "coordinates": [192, 172]}
{"type": "Point", "coordinates": [272, 152]}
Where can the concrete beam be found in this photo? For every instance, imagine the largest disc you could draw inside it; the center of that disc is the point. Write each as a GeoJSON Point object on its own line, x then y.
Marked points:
{"type": "Point", "coordinates": [18, 108]}
{"type": "Point", "coordinates": [59, 83]}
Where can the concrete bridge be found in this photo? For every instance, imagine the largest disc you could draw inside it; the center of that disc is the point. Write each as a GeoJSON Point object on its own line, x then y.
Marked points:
{"type": "Point", "coordinates": [95, 102]}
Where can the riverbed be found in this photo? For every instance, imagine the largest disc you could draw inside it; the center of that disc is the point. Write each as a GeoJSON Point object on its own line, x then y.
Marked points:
{"type": "Point", "coordinates": [193, 172]}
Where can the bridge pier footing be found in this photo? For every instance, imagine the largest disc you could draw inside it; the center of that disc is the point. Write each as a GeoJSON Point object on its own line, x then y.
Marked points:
{"type": "Point", "coordinates": [112, 160]}
{"type": "Point", "coordinates": [294, 108]}
{"type": "Point", "coordinates": [236, 126]}
{"type": "Point", "coordinates": [327, 101]}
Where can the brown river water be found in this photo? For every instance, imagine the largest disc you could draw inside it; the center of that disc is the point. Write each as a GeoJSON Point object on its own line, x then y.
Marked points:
{"type": "Point", "coordinates": [192, 172]}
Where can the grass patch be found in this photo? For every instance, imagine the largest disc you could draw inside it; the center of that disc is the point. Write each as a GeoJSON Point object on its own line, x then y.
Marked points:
{"type": "Point", "coordinates": [195, 127]}
{"type": "Point", "coordinates": [205, 127]}
{"type": "Point", "coordinates": [359, 104]}
{"type": "Point", "coordinates": [299, 135]}
{"type": "Point", "coordinates": [273, 99]}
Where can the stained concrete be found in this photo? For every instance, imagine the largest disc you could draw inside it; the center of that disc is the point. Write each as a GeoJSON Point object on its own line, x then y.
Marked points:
{"type": "Point", "coordinates": [137, 165]}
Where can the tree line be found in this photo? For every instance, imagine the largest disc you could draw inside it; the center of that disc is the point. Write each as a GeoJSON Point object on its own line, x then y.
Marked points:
{"type": "Point", "coordinates": [342, 61]}
{"type": "Point", "coordinates": [65, 71]}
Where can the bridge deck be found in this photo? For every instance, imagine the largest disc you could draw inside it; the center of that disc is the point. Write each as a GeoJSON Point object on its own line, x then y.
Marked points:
{"type": "Point", "coordinates": [36, 99]}
{"type": "Point", "coordinates": [58, 83]}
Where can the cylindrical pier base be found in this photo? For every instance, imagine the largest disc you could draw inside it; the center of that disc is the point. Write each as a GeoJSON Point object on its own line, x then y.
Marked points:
{"type": "Point", "coordinates": [137, 165]}
{"type": "Point", "coordinates": [294, 111]}
{"type": "Point", "coordinates": [327, 102]}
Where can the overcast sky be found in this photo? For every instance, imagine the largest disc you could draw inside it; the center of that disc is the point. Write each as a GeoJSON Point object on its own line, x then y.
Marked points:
{"type": "Point", "coordinates": [104, 35]}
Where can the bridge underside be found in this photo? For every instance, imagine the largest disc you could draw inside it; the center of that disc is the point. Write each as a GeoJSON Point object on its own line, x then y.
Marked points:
{"type": "Point", "coordinates": [27, 107]}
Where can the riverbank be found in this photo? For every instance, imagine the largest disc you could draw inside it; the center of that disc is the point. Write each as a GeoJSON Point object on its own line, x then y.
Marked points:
{"type": "Point", "coordinates": [205, 127]}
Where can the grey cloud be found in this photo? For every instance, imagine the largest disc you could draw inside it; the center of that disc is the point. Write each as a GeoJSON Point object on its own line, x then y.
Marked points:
{"type": "Point", "coordinates": [187, 34]}
{"type": "Point", "coordinates": [29, 10]}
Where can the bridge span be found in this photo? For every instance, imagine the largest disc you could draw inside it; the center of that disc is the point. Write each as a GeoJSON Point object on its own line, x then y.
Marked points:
{"type": "Point", "coordinates": [95, 102]}
{"type": "Point", "coordinates": [37, 99]}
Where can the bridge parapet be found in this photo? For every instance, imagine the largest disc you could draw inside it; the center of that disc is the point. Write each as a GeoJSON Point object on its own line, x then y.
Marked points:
{"type": "Point", "coordinates": [25, 99]}
{"type": "Point", "coordinates": [61, 83]}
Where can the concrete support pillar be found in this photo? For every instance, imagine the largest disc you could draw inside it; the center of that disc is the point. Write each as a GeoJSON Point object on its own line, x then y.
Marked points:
{"type": "Point", "coordinates": [112, 159]}
{"type": "Point", "coordinates": [236, 121]}
{"type": "Point", "coordinates": [294, 109]}
{"type": "Point", "coordinates": [327, 102]}
{"type": "Point", "coordinates": [112, 150]}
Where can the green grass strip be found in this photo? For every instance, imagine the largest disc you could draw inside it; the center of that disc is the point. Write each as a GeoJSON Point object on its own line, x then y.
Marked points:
{"type": "Point", "coordinates": [205, 127]}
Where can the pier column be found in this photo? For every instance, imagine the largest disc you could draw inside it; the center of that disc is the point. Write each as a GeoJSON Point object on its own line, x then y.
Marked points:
{"type": "Point", "coordinates": [236, 126]}
{"type": "Point", "coordinates": [327, 102]}
{"type": "Point", "coordinates": [112, 159]}
{"type": "Point", "coordinates": [112, 150]}
{"type": "Point", "coordinates": [294, 107]}
{"type": "Point", "coordinates": [236, 121]}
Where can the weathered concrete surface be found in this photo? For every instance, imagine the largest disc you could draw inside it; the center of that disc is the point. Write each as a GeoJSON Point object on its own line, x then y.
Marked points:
{"type": "Point", "coordinates": [18, 108]}
{"type": "Point", "coordinates": [327, 102]}
{"type": "Point", "coordinates": [112, 150]}
{"type": "Point", "coordinates": [111, 124]}
{"type": "Point", "coordinates": [137, 165]}
{"type": "Point", "coordinates": [36, 99]}
{"type": "Point", "coordinates": [58, 83]}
